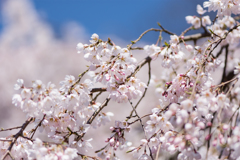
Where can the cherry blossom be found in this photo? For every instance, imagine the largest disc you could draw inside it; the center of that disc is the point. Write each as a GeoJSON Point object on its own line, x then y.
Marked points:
{"type": "Point", "coordinates": [195, 115]}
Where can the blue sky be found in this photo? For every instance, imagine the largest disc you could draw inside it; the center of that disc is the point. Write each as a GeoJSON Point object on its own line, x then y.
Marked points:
{"type": "Point", "coordinates": [126, 19]}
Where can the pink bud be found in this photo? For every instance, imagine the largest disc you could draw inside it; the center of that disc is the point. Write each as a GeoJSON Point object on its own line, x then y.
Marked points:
{"type": "Point", "coordinates": [111, 142]}
{"type": "Point", "coordinates": [112, 128]}
{"type": "Point", "coordinates": [117, 144]}
{"type": "Point", "coordinates": [225, 127]}
{"type": "Point", "coordinates": [214, 143]}
{"type": "Point", "coordinates": [191, 84]}
{"type": "Point", "coordinates": [108, 156]}
{"type": "Point", "coordinates": [209, 124]}
{"type": "Point", "coordinates": [208, 137]}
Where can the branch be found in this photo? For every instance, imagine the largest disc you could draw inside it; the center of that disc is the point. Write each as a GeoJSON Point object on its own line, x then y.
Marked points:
{"type": "Point", "coordinates": [140, 120]}
{"type": "Point", "coordinates": [164, 30]}
{"type": "Point", "coordinates": [15, 137]}
{"type": "Point", "coordinates": [149, 78]}
{"type": "Point", "coordinates": [79, 79]}
{"type": "Point", "coordinates": [184, 32]}
{"type": "Point", "coordinates": [90, 120]}
{"type": "Point", "coordinates": [142, 63]}
{"type": "Point", "coordinates": [85, 156]}
{"type": "Point", "coordinates": [98, 90]}
{"type": "Point", "coordinates": [218, 41]}
{"type": "Point", "coordinates": [225, 65]}
{"type": "Point", "coordinates": [39, 124]}
{"type": "Point", "coordinates": [8, 129]}
{"type": "Point", "coordinates": [196, 36]}
{"type": "Point", "coordinates": [220, 52]}
{"type": "Point", "coordinates": [133, 42]}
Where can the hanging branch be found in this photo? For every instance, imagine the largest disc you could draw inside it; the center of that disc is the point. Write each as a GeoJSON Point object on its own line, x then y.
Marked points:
{"type": "Point", "coordinates": [140, 120]}
{"type": "Point", "coordinates": [149, 78]}
{"type": "Point", "coordinates": [38, 125]}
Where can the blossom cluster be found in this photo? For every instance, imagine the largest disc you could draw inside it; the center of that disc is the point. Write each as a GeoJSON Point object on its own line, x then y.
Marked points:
{"type": "Point", "coordinates": [70, 108]}
{"type": "Point", "coordinates": [25, 149]}
{"type": "Point", "coordinates": [112, 67]}
{"type": "Point", "coordinates": [197, 115]}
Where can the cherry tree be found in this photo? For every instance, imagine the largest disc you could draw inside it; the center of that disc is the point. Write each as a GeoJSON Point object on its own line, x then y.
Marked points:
{"type": "Point", "coordinates": [197, 116]}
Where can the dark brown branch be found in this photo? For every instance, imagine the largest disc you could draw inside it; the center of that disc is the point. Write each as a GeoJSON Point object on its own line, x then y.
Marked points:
{"type": "Point", "coordinates": [6, 140]}
{"type": "Point", "coordinates": [8, 129]}
{"type": "Point", "coordinates": [90, 120]}
{"type": "Point", "coordinates": [228, 77]}
{"type": "Point", "coordinates": [225, 65]}
{"type": "Point", "coordinates": [220, 52]}
{"type": "Point", "coordinates": [39, 124]}
{"type": "Point", "coordinates": [164, 30]}
{"type": "Point", "coordinates": [210, 134]}
{"type": "Point", "coordinates": [215, 19]}
{"type": "Point", "coordinates": [98, 90]}
{"type": "Point", "coordinates": [138, 118]}
{"type": "Point", "coordinates": [16, 136]}
{"type": "Point", "coordinates": [142, 63]}
{"type": "Point", "coordinates": [95, 98]}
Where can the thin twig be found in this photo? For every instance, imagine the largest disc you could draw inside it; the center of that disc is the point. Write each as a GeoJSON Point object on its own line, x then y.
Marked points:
{"type": "Point", "coordinates": [224, 83]}
{"type": "Point", "coordinates": [149, 78]}
{"type": "Point", "coordinates": [93, 116]}
{"type": "Point", "coordinates": [220, 52]}
{"type": "Point", "coordinates": [98, 90]}
{"type": "Point", "coordinates": [39, 124]}
{"type": "Point", "coordinates": [184, 32]}
{"type": "Point", "coordinates": [151, 29]}
{"type": "Point", "coordinates": [95, 98]}
{"type": "Point", "coordinates": [79, 79]}
{"type": "Point", "coordinates": [6, 140]}
{"type": "Point", "coordinates": [10, 128]}
{"type": "Point", "coordinates": [140, 120]}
